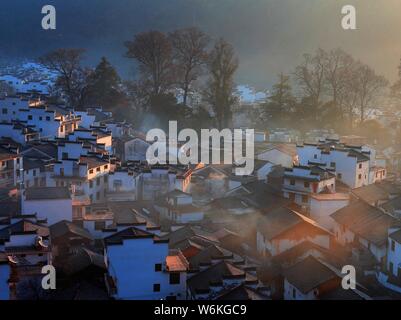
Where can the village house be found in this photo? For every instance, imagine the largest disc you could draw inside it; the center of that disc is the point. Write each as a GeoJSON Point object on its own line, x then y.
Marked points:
{"type": "Point", "coordinates": [140, 266]}
{"type": "Point", "coordinates": [350, 163]}
{"type": "Point", "coordinates": [283, 228]}
{"type": "Point", "coordinates": [177, 206]}
{"type": "Point", "coordinates": [362, 225]}
{"type": "Point", "coordinates": [213, 281]}
{"type": "Point", "coordinates": [10, 164]}
{"type": "Point", "coordinates": [284, 154]}
{"type": "Point", "coordinates": [309, 279]}
{"type": "Point", "coordinates": [52, 204]}
{"type": "Point", "coordinates": [300, 182]}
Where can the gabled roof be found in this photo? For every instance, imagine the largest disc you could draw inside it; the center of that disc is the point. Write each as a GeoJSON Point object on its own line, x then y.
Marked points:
{"type": "Point", "coordinates": [309, 274]}
{"type": "Point", "coordinates": [82, 259]}
{"type": "Point", "coordinates": [24, 226]}
{"type": "Point", "coordinates": [129, 233]}
{"type": "Point", "coordinates": [281, 220]}
{"type": "Point", "coordinates": [242, 292]}
{"type": "Point", "coordinates": [214, 275]}
{"type": "Point", "coordinates": [371, 193]}
{"type": "Point", "coordinates": [187, 232]}
{"type": "Point", "coordinates": [367, 221]}
{"type": "Point", "coordinates": [62, 228]}
{"type": "Point", "coordinates": [47, 193]}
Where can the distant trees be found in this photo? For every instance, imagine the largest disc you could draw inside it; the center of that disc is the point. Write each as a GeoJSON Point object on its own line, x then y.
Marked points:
{"type": "Point", "coordinates": [222, 64]}
{"type": "Point", "coordinates": [152, 51]}
{"type": "Point", "coordinates": [190, 56]}
{"type": "Point", "coordinates": [72, 76]}
{"type": "Point", "coordinates": [281, 102]}
{"type": "Point", "coordinates": [368, 86]}
{"type": "Point", "coordinates": [104, 87]}
{"type": "Point", "coordinates": [332, 84]}
{"type": "Point", "coordinates": [168, 63]}
{"type": "Point", "coordinates": [310, 77]}
{"type": "Point", "coordinates": [81, 86]}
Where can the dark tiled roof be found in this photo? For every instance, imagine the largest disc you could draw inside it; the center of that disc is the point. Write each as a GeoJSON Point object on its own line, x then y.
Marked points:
{"type": "Point", "coordinates": [24, 226]}
{"type": "Point", "coordinates": [200, 282]}
{"type": "Point", "coordinates": [371, 193]}
{"type": "Point", "coordinates": [278, 221]}
{"type": "Point", "coordinates": [47, 193]}
{"type": "Point", "coordinates": [367, 221]}
{"type": "Point", "coordinates": [62, 228]}
{"type": "Point", "coordinates": [308, 274]}
{"type": "Point", "coordinates": [129, 233]}
{"type": "Point", "coordinates": [242, 292]}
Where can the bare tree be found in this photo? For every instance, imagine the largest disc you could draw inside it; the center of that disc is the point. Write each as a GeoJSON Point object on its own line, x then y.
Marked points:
{"type": "Point", "coordinates": [71, 75]}
{"type": "Point", "coordinates": [153, 52]}
{"type": "Point", "coordinates": [368, 88]}
{"type": "Point", "coordinates": [189, 52]}
{"type": "Point", "coordinates": [310, 77]}
{"type": "Point", "coordinates": [222, 65]}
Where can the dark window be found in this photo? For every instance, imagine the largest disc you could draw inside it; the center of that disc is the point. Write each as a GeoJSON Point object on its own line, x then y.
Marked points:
{"type": "Point", "coordinates": [29, 117]}
{"type": "Point", "coordinates": [174, 278]}
{"type": "Point", "coordinates": [34, 173]}
{"type": "Point", "coordinates": [392, 245]}
{"type": "Point", "coordinates": [391, 267]}
{"type": "Point", "coordinates": [64, 155]}
{"type": "Point", "coordinates": [90, 183]}
{"type": "Point", "coordinates": [339, 175]}
{"type": "Point", "coordinates": [105, 167]}
{"type": "Point", "coordinates": [98, 195]}
{"type": "Point", "coordinates": [292, 182]}
{"type": "Point", "coordinates": [100, 225]}
{"type": "Point", "coordinates": [98, 181]}
{"type": "Point", "coordinates": [305, 198]}
{"type": "Point", "coordinates": [315, 156]}
{"type": "Point", "coordinates": [48, 118]}
{"type": "Point", "coordinates": [332, 164]}
{"type": "Point", "coordinates": [360, 166]}
{"type": "Point", "coordinates": [158, 267]}
{"type": "Point", "coordinates": [98, 169]}
{"type": "Point", "coordinates": [4, 111]}
{"type": "Point", "coordinates": [156, 287]}
{"type": "Point", "coordinates": [306, 184]}
{"type": "Point", "coordinates": [40, 118]}
{"type": "Point", "coordinates": [91, 171]}
{"type": "Point", "coordinates": [61, 171]}
{"type": "Point", "coordinates": [359, 176]}
{"type": "Point", "coordinates": [294, 293]}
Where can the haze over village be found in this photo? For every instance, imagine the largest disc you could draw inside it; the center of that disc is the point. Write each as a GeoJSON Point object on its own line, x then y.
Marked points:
{"type": "Point", "coordinates": [79, 195]}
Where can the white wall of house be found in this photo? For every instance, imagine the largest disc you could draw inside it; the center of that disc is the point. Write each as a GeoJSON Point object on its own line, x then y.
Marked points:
{"type": "Point", "coordinates": [4, 276]}
{"type": "Point", "coordinates": [320, 211]}
{"type": "Point", "coordinates": [135, 150]}
{"type": "Point", "coordinates": [393, 257]}
{"type": "Point", "coordinates": [86, 119]}
{"type": "Point", "coordinates": [9, 108]}
{"type": "Point", "coordinates": [264, 171]}
{"type": "Point", "coordinates": [133, 265]}
{"type": "Point", "coordinates": [279, 245]}
{"type": "Point", "coordinates": [54, 210]}
{"type": "Point", "coordinates": [276, 157]}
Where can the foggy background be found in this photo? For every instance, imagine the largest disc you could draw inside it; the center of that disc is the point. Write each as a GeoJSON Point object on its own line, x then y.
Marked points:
{"type": "Point", "coordinates": [269, 36]}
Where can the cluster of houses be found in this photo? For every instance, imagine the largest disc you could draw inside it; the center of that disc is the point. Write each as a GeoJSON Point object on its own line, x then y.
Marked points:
{"type": "Point", "coordinates": [77, 193]}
